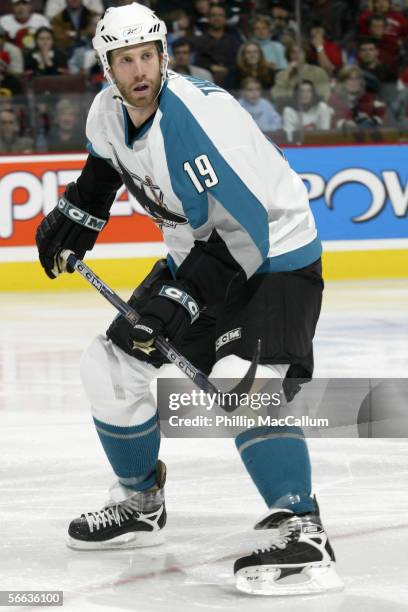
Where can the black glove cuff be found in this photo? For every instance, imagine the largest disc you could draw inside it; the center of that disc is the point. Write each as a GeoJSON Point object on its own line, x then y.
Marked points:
{"type": "Point", "coordinates": [182, 298]}
{"type": "Point", "coordinates": [77, 215]}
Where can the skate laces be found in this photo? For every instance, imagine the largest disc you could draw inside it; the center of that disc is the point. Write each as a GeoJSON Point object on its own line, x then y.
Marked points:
{"type": "Point", "coordinates": [281, 540]}
{"type": "Point", "coordinates": [114, 514]}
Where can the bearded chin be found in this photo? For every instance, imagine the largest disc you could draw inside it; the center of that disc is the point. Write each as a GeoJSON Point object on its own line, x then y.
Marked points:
{"type": "Point", "coordinates": [137, 102]}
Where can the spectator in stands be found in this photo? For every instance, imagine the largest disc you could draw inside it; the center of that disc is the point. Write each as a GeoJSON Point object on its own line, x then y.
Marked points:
{"type": "Point", "coordinates": [396, 24]}
{"type": "Point", "coordinates": [70, 25]}
{"type": "Point", "coordinates": [22, 24]}
{"type": "Point", "coordinates": [389, 48]}
{"type": "Point", "coordinates": [66, 133]}
{"type": "Point", "coordinates": [337, 17]}
{"type": "Point", "coordinates": [322, 51]}
{"type": "Point", "coordinates": [53, 7]}
{"type": "Point", "coordinates": [44, 59]}
{"type": "Point", "coordinates": [10, 52]}
{"type": "Point", "coordinates": [283, 29]}
{"type": "Point", "coordinates": [237, 11]}
{"type": "Point", "coordinates": [10, 85]}
{"type": "Point", "coordinates": [201, 8]}
{"type": "Point", "coordinates": [375, 73]}
{"type": "Point", "coordinates": [306, 111]}
{"type": "Point", "coordinates": [251, 63]}
{"type": "Point", "coordinates": [273, 51]}
{"type": "Point", "coordinates": [181, 61]}
{"type": "Point", "coordinates": [10, 139]}
{"type": "Point", "coordinates": [164, 7]}
{"type": "Point", "coordinates": [178, 26]}
{"type": "Point", "coordinates": [84, 59]}
{"type": "Point", "coordinates": [217, 49]}
{"type": "Point", "coordinates": [297, 70]}
{"type": "Point", "coordinates": [399, 106]}
{"type": "Point", "coordinates": [353, 107]}
{"type": "Point", "coordinates": [404, 52]}
{"type": "Point", "coordinates": [261, 110]}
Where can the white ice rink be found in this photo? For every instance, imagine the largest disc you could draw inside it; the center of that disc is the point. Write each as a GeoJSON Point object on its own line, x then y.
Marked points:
{"type": "Point", "coordinates": [53, 468]}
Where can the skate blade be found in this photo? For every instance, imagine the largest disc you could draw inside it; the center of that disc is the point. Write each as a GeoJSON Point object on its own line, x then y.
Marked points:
{"type": "Point", "coordinates": [311, 580]}
{"type": "Point", "coordinates": [135, 539]}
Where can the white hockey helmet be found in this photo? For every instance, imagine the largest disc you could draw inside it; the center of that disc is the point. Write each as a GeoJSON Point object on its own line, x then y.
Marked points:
{"type": "Point", "coordinates": [128, 25]}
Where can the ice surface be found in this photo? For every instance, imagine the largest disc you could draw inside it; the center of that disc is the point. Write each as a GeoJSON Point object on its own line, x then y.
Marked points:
{"type": "Point", "coordinates": [53, 468]}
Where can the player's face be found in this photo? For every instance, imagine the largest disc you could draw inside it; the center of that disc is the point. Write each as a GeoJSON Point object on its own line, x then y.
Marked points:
{"type": "Point", "coordinates": [136, 70]}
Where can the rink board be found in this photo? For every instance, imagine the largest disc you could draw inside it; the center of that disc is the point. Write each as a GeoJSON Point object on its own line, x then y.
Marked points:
{"type": "Point", "coordinates": [359, 196]}
{"type": "Point", "coordinates": [343, 265]}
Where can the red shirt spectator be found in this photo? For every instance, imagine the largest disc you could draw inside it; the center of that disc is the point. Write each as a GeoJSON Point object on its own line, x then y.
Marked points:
{"type": "Point", "coordinates": [353, 107]}
{"type": "Point", "coordinates": [375, 73]}
{"type": "Point", "coordinates": [389, 49]}
{"type": "Point", "coordinates": [322, 51]}
{"type": "Point", "coordinates": [396, 25]}
{"type": "Point", "coordinates": [22, 23]}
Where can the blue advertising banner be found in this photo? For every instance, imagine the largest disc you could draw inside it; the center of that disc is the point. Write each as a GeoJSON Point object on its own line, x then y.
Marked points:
{"type": "Point", "coordinates": [356, 193]}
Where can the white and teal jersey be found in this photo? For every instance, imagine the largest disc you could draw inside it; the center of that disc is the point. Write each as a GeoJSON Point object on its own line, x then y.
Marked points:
{"type": "Point", "coordinates": [201, 164]}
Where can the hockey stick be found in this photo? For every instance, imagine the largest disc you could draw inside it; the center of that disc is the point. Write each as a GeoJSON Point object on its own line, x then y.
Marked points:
{"type": "Point", "coordinates": [166, 348]}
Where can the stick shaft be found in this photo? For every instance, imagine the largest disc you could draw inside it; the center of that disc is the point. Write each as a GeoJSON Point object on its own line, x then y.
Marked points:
{"type": "Point", "coordinates": [162, 345]}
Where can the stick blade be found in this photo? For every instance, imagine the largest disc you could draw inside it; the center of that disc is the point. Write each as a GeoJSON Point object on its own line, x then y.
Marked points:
{"type": "Point", "coordinates": [245, 384]}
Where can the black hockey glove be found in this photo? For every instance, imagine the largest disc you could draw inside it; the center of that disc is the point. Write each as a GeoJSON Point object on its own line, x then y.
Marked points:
{"type": "Point", "coordinates": [67, 226]}
{"type": "Point", "coordinates": [169, 312]}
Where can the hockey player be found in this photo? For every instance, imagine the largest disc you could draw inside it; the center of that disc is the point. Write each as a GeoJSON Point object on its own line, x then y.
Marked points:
{"type": "Point", "coordinates": [243, 254]}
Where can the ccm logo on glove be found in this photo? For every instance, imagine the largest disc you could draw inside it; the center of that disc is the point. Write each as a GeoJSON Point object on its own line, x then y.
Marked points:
{"type": "Point", "coordinates": [183, 298]}
{"type": "Point", "coordinates": [80, 216]}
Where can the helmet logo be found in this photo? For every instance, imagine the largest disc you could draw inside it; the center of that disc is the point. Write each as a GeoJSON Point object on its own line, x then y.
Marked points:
{"type": "Point", "coordinates": [131, 30]}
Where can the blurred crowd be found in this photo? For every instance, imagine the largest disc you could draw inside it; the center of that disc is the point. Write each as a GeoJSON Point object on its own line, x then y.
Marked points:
{"type": "Point", "coordinates": [319, 69]}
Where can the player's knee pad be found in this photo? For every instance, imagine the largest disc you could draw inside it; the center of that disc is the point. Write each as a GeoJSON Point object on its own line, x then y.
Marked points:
{"type": "Point", "coordinates": [116, 385]}
{"type": "Point", "coordinates": [233, 366]}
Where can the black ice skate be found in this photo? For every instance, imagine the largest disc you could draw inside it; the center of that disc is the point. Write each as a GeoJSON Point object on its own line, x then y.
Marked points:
{"type": "Point", "coordinates": [134, 522]}
{"type": "Point", "coordinates": [299, 559]}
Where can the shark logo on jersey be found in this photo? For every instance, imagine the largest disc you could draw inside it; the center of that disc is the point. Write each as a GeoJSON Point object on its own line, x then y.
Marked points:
{"type": "Point", "coordinates": [155, 208]}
